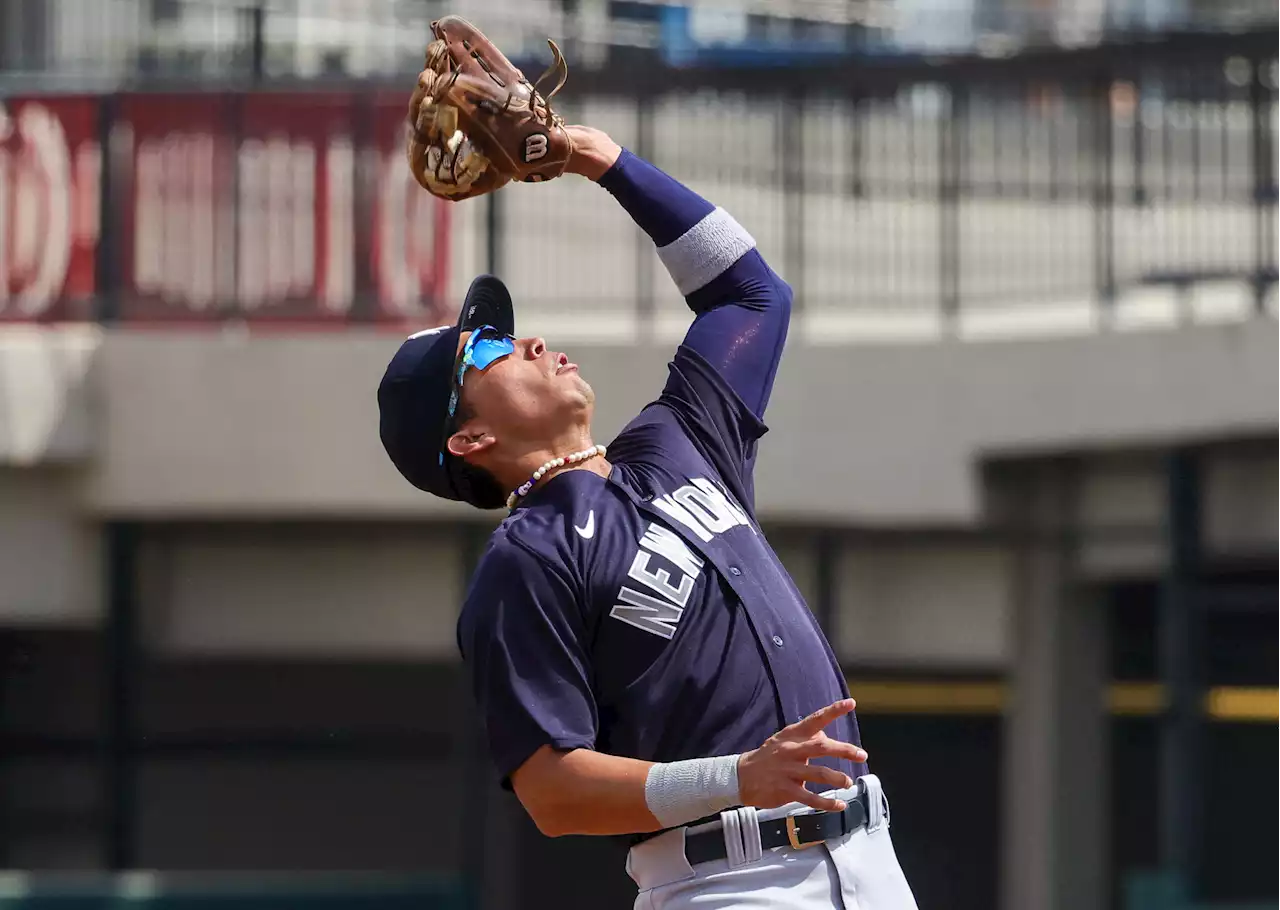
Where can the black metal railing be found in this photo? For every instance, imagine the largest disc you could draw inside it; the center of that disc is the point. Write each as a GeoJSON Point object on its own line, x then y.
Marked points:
{"type": "Point", "coordinates": [239, 39]}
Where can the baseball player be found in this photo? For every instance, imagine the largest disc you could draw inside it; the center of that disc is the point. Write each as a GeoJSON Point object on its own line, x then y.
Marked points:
{"type": "Point", "coordinates": [644, 664]}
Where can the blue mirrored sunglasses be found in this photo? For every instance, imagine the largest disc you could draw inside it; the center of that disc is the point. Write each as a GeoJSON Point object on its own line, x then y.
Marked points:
{"type": "Point", "coordinates": [484, 347]}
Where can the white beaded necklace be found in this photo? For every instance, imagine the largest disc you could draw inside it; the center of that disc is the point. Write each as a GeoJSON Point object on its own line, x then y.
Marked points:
{"type": "Point", "coordinates": [574, 458]}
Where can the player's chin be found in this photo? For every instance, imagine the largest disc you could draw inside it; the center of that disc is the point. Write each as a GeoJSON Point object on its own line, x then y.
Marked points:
{"type": "Point", "coordinates": [576, 394]}
{"type": "Point", "coordinates": [572, 379]}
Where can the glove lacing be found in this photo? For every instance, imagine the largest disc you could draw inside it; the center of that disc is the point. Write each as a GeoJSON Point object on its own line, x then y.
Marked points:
{"type": "Point", "coordinates": [559, 64]}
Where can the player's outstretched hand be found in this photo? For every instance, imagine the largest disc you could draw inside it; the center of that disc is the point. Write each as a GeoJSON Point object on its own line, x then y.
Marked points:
{"type": "Point", "coordinates": [776, 773]}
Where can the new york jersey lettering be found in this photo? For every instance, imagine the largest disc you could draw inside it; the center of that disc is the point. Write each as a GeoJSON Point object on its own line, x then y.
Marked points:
{"type": "Point", "coordinates": [664, 592]}
{"type": "Point", "coordinates": [646, 613]}
{"type": "Point", "coordinates": [703, 508]}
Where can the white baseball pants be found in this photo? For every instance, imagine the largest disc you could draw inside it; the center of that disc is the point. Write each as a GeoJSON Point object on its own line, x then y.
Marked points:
{"type": "Point", "coordinates": [858, 871]}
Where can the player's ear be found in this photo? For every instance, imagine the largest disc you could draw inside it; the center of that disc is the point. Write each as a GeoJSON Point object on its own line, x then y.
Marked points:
{"type": "Point", "coordinates": [469, 441]}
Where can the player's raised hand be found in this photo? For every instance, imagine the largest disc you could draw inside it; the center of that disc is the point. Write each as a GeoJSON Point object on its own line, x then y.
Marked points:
{"type": "Point", "coordinates": [776, 773]}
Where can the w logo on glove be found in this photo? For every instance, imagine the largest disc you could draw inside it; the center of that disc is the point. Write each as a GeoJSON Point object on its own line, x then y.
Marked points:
{"type": "Point", "coordinates": [535, 147]}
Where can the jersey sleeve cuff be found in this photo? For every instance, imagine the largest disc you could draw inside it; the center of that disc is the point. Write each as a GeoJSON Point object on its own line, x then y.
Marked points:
{"type": "Point", "coordinates": [559, 743]}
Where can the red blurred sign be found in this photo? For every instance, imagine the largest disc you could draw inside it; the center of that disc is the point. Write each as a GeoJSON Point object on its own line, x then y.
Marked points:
{"type": "Point", "coordinates": [294, 207]}
{"type": "Point", "coordinates": [50, 168]}
{"type": "Point", "coordinates": [174, 170]}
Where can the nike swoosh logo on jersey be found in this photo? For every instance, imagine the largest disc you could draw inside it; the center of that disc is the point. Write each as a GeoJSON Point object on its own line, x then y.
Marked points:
{"type": "Point", "coordinates": [587, 531]}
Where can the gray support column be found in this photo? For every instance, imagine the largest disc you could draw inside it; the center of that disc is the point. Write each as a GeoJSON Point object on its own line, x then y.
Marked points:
{"type": "Point", "coordinates": [120, 663]}
{"type": "Point", "coordinates": [1180, 635]}
{"type": "Point", "coordinates": [1055, 780]}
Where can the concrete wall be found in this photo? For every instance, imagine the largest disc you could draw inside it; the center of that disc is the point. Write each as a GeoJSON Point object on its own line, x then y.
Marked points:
{"type": "Point", "coordinates": [348, 592]}
{"type": "Point", "coordinates": [926, 603]}
{"type": "Point", "coordinates": [231, 435]}
{"type": "Point", "coordinates": [50, 551]}
{"type": "Point", "coordinates": [343, 591]}
{"type": "Point", "coordinates": [327, 591]}
{"type": "Point", "coordinates": [221, 425]}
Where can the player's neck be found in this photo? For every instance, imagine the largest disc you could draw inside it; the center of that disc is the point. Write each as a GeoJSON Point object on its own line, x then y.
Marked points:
{"type": "Point", "coordinates": [558, 459]}
{"type": "Point", "coordinates": [538, 456]}
{"type": "Point", "coordinates": [545, 455]}
{"type": "Point", "coordinates": [593, 464]}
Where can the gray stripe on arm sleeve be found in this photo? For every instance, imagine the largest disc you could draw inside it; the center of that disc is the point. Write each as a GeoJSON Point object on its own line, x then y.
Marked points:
{"type": "Point", "coordinates": [705, 250]}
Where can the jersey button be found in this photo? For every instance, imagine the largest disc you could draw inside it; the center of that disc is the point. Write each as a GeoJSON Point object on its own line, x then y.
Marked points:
{"type": "Point", "coordinates": [734, 570]}
{"type": "Point", "coordinates": [777, 640]}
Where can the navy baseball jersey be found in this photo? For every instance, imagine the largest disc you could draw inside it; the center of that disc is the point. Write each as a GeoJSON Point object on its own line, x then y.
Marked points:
{"type": "Point", "coordinates": [644, 614]}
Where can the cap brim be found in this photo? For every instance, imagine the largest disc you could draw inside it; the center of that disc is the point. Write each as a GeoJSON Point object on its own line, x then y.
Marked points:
{"type": "Point", "coordinates": [488, 302]}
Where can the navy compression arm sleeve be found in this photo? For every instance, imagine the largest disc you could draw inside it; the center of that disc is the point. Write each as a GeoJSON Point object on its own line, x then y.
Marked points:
{"type": "Point", "coordinates": [743, 308]}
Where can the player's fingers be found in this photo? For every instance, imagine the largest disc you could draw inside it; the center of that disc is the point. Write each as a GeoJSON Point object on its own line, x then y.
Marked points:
{"type": "Point", "coordinates": [826, 747]}
{"type": "Point", "coordinates": [814, 801]}
{"type": "Point", "coordinates": [820, 718]}
{"type": "Point", "coordinates": [820, 774]}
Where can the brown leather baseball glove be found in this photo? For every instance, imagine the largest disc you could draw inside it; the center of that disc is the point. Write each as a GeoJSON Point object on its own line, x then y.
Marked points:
{"type": "Point", "coordinates": [476, 122]}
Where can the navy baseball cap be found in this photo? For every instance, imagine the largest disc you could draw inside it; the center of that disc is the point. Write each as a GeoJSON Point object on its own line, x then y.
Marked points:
{"type": "Point", "coordinates": [413, 401]}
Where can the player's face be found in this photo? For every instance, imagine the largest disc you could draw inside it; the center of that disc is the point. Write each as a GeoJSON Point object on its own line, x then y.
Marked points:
{"type": "Point", "coordinates": [526, 398]}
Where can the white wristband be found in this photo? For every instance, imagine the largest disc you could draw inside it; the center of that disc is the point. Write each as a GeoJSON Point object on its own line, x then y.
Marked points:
{"type": "Point", "coordinates": [683, 791]}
